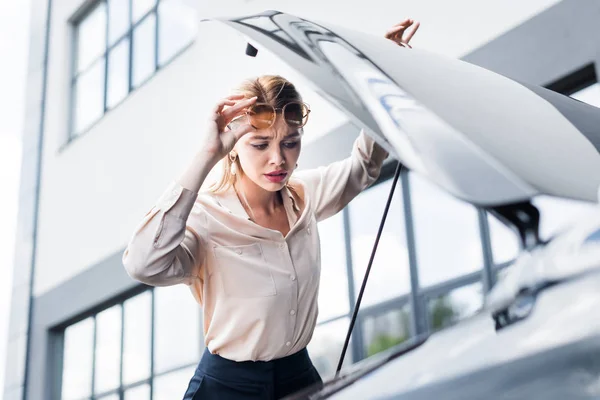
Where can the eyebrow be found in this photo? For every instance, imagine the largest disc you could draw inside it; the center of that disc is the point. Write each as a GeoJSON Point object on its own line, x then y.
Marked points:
{"type": "Point", "coordinates": [290, 136]}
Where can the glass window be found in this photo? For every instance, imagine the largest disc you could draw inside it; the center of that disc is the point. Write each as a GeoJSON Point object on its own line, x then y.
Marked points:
{"type": "Point", "coordinates": [129, 46]}
{"type": "Point", "coordinates": [505, 241]}
{"type": "Point", "coordinates": [144, 47]}
{"type": "Point", "coordinates": [113, 396]}
{"type": "Point", "coordinates": [118, 19]}
{"type": "Point", "coordinates": [89, 96]}
{"type": "Point", "coordinates": [390, 273]}
{"type": "Point", "coordinates": [177, 28]}
{"type": "Point", "coordinates": [78, 360]}
{"type": "Point", "coordinates": [118, 74]}
{"type": "Point", "coordinates": [137, 331]}
{"type": "Point", "coordinates": [447, 236]}
{"type": "Point", "coordinates": [380, 332]}
{"type": "Point", "coordinates": [177, 334]}
{"type": "Point", "coordinates": [108, 350]}
{"type": "Point", "coordinates": [172, 385]}
{"type": "Point", "coordinates": [557, 214]}
{"type": "Point", "coordinates": [590, 95]}
{"type": "Point", "coordinates": [141, 8]}
{"type": "Point", "coordinates": [449, 308]}
{"type": "Point", "coordinates": [141, 392]}
{"type": "Point", "coordinates": [333, 289]}
{"type": "Point", "coordinates": [326, 345]}
{"type": "Point", "coordinates": [91, 37]}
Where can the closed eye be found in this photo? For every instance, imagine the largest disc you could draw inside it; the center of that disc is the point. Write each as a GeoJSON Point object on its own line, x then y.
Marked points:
{"type": "Point", "coordinates": [261, 146]}
{"type": "Point", "coordinates": [290, 145]}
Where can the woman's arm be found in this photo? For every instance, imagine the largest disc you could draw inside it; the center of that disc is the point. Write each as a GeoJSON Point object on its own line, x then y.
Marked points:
{"type": "Point", "coordinates": [333, 186]}
{"type": "Point", "coordinates": [164, 250]}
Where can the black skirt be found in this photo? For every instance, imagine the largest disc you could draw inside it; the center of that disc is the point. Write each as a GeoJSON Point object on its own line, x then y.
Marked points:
{"type": "Point", "coordinates": [219, 378]}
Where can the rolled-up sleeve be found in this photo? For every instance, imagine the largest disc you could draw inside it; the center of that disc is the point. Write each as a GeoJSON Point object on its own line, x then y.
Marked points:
{"type": "Point", "coordinates": [333, 186]}
{"type": "Point", "coordinates": [164, 250]}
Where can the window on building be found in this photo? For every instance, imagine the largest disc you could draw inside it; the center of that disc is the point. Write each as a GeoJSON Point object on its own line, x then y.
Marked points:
{"type": "Point", "coordinates": [505, 241]}
{"type": "Point", "coordinates": [134, 348]}
{"type": "Point", "coordinates": [120, 44]}
{"type": "Point", "coordinates": [390, 273]}
{"type": "Point", "coordinates": [333, 288]}
{"type": "Point", "coordinates": [448, 241]}
{"type": "Point", "coordinates": [326, 346]}
{"type": "Point", "coordinates": [446, 309]}
{"type": "Point", "coordinates": [386, 329]}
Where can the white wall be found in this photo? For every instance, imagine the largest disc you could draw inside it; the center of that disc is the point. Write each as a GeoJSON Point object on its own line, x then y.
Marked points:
{"type": "Point", "coordinates": [95, 190]}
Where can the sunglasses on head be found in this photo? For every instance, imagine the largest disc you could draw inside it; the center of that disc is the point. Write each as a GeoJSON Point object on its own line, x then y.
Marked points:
{"type": "Point", "coordinates": [263, 115]}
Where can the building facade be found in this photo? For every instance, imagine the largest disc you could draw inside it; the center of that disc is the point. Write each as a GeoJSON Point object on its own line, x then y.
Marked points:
{"type": "Point", "coordinates": [117, 94]}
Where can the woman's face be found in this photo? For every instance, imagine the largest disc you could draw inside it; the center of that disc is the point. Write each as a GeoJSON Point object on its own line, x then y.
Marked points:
{"type": "Point", "coordinates": [269, 156]}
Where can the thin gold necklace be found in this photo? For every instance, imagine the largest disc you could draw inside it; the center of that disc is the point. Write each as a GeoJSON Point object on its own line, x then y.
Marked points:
{"type": "Point", "coordinates": [247, 205]}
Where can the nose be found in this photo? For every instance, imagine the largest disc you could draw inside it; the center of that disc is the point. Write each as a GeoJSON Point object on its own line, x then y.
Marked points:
{"type": "Point", "coordinates": [277, 157]}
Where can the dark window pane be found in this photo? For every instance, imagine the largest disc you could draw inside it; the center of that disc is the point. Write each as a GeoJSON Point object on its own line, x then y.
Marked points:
{"type": "Point", "coordinates": [118, 74]}
{"type": "Point", "coordinates": [177, 28]}
{"type": "Point", "coordinates": [557, 214]}
{"type": "Point", "coordinates": [89, 97]}
{"type": "Point", "coordinates": [380, 332]}
{"type": "Point", "coordinates": [177, 334]}
{"type": "Point", "coordinates": [78, 360]}
{"type": "Point", "coordinates": [136, 346]}
{"type": "Point", "coordinates": [108, 349]}
{"type": "Point", "coordinates": [390, 274]}
{"type": "Point", "coordinates": [141, 392]}
{"type": "Point", "coordinates": [118, 19]}
{"type": "Point", "coordinates": [326, 345]}
{"type": "Point", "coordinates": [144, 47]}
{"type": "Point", "coordinates": [172, 385]}
{"type": "Point", "coordinates": [140, 8]}
{"type": "Point", "coordinates": [91, 37]}
{"type": "Point", "coordinates": [446, 234]}
{"type": "Point", "coordinates": [449, 308]}
{"type": "Point", "coordinates": [333, 289]}
{"type": "Point", "coordinates": [505, 241]}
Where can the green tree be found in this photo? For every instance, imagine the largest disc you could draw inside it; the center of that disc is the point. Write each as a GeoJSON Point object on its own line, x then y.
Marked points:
{"type": "Point", "coordinates": [443, 314]}
{"type": "Point", "coordinates": [383, 342]}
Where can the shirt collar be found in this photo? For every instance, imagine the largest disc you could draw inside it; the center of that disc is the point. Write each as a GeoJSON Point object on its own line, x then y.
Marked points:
{"type": "Point", "coordinates": [230, 201]}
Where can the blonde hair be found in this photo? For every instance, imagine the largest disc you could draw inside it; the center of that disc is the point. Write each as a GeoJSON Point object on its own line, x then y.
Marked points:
{"type": "Point", "coordinates": [271, 89]}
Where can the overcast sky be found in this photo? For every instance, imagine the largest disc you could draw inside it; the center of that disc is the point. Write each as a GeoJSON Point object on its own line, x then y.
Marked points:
{"type": "Point", "coordinates": [14, 30]}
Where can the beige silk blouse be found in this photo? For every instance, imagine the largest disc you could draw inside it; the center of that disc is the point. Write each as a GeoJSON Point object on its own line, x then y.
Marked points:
{"type": "Point", "coordinates": [258, 289]}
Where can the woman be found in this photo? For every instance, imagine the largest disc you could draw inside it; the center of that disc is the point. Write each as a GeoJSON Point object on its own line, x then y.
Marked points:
{"type": "Point", "coordinates": [248, 248]}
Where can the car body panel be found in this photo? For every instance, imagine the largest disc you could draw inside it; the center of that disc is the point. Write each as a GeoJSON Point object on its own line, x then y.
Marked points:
{"type": "Point", "coordinates": [482, 137]}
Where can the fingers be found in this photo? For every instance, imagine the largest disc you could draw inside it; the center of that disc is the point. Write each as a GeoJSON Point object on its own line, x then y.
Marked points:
{"type": "Point", "coordinates": [410, 33]}
{"type": "Point", "coordinates": [219, 107]}
{"type": "Point", "coordinates": [231, 136]}
{"type": "Point", "coordinates": [234, 107]}
{"type": "Point", "coordinates": [237, 108]}
{"type": "Point", "coordinates": [398, 28]}
{"type": "Point", "coordinates": [398, 31]}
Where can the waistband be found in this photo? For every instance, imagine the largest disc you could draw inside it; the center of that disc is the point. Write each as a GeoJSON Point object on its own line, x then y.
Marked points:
{"type": "Point", "coordinates": [257, 371]}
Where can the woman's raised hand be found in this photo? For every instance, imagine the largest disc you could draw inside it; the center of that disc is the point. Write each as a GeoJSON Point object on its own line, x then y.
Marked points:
{"type": "Point", "coordinates": [402, 32]}
{"type": "Point", "coordinates": [219, 139]}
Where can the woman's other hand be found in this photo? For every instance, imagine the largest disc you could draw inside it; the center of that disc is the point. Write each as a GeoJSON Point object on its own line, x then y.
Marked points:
{"type": "Point", "coordinates": [403, 32]}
